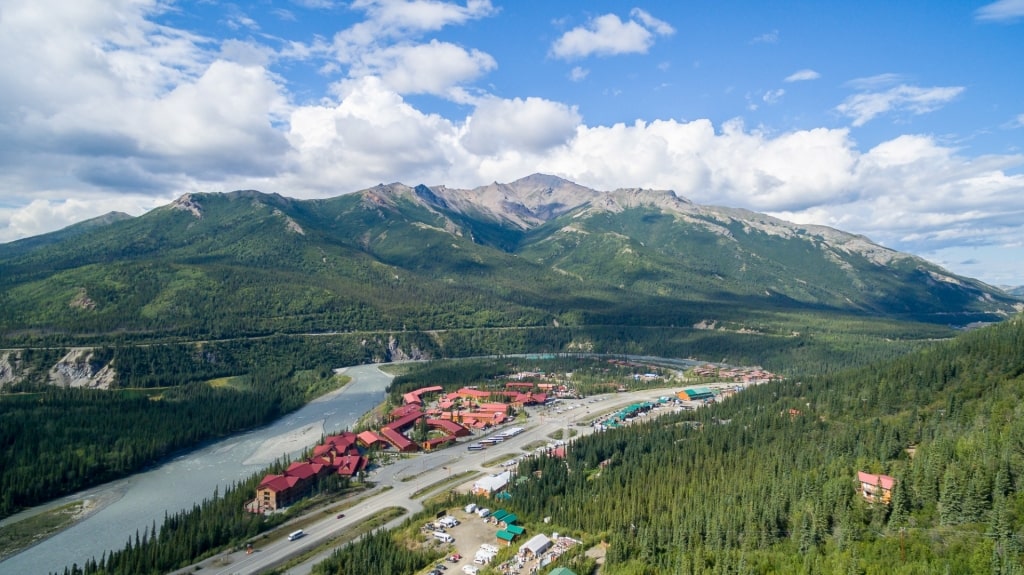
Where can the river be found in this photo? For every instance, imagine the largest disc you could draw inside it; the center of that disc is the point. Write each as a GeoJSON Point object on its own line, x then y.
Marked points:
{"type": "Point", "coordinates": [139, 501]}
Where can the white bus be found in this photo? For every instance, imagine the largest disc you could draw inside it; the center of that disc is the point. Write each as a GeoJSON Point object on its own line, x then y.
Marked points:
{"type": "Point", "coordinates": [296, 535]}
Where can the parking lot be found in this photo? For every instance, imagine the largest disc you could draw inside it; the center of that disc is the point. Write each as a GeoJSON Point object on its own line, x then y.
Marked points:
{"type": "Point", "coordinates": [470, 534]}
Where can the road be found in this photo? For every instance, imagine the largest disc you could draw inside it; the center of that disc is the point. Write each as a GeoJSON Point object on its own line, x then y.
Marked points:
{"type": "Point", "coordinates": [407, 476]}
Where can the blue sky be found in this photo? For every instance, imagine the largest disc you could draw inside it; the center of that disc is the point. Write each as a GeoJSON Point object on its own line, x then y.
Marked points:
{"type": "Point", "coordinates": [902, 121]}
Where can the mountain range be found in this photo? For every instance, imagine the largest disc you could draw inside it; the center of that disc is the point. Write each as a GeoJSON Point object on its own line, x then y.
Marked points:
{"type": "Point", "coordinates": [539, 251]}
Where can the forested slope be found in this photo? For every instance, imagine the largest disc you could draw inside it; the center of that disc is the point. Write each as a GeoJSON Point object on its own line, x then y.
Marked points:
{"type": "Point", "coordinates": [747, 487]}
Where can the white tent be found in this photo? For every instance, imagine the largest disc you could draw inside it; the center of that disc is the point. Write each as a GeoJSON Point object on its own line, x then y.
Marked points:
{"type": "Point", "coordinates": [536, 545]}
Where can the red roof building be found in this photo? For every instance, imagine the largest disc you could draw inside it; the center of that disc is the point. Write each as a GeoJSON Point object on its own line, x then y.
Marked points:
{"type": "Point", "coordinates": [406, 410]}
{"type": "Point", "coordinates": [304, 470]}
{"type": "Point", "coordinates": [399, 441]}
{"type": "Point", "coordinates": [370, 439]}
{"type": "Point", "coordinates": [432, 444]}
{"type": "Point", "coordinates": [876, 488]}
{"type": "Point", "coordinates": [349, 465]}
{"type": "Point", "coordinates": [278, 491]}
{"type": "Point", "coordinates": [343, 441]}
{"type": "Point", "coordinates": [403, 422]}
{"type": "Point", "coordinates": [448, 426]}
{"type": "Point", "coordinates": [416, 397]}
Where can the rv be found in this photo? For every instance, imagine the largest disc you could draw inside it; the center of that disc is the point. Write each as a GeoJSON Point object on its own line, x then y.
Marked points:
{"type": "Point", "coordinates": [443, 537]}
{"type": "Point", "coordinates": [296, 535]}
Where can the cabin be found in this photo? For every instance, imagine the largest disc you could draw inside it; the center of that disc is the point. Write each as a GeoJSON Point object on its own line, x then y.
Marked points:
{"type": "Point", "coordinates": [876, 488]}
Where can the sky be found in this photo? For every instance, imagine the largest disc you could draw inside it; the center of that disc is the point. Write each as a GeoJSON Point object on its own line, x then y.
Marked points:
{"type": "Point", "coordinates": [901, 121]}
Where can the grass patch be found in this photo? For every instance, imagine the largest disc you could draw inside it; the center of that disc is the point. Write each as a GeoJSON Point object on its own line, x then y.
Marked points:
{"type": "Point", "coordinates": [397, 369]}
{"type": "Point", "coordinates": [453, 480]}
{"type": "Point", "coordinates": [499, 460]}
{"type": "Point", "coordinates": [237, 382]}
{"type": "Point", "coordinates": [23, 534]}
{"type": "Point", "coordinates": [557, 434]}
{"type": "Point", "coordinates": [533, 445]}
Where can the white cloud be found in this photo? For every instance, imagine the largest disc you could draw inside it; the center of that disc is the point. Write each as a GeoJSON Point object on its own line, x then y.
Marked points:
{"type": "Point", "coordinates": [659, 27]}
{"type": "Point", "coordinates": [766, 38]}
{"type": "Point", "coordinates": [370, 136]}
{"type": "Point", "coordinates": [863, 108]}
{"type": "Point", "coordinates": [390, 19]}
{"type": "Point", "coordinates": [117, 112]}
{"type": "Point", "coordinates": [773, 96]}
{"type": "Point", "coordinates": [1001, 11]}
{"type": "Point", "coordinates": [803, 76]}
{"type": "Point", "coordinates": [530, 126]}
{"type": "Point", "coordinates": [433, 68]}
{"type": "Point", "coordinates": [608, 35]}
{"type": "Point", "coordinates": [578, 73]}
{"type": "Point", "coordinates": [876, 82]}
{"type": "Point", "coordinates": [316, 4]}
{"type": "Point", "coordinates": [384, 45]}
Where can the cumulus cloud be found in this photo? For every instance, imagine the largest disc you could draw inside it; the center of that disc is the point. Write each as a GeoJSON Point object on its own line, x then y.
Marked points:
{"type": "Point", "coordinates": [1001, 11]}
{"type": "Point", "coordinates": [530, 126]}
{"type": "Point", "coordinates": [371, 135]}
{"type": "Point", "coordinates": [391, 19]}
{"type": "Point", "coordinates": [862, 108]}
{"type": "Point", "coordinates": [803, 76]}
{"type": "Point", "coordinates": [117, 112]}
{"type": "Point", "coordinates": [608, 35]}
{"type": "Point", "coordinates": [384, 44]}
{"type": "Point", "coordinates": [432, 68]}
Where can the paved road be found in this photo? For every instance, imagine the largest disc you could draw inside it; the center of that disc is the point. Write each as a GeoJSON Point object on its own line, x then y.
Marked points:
{"type": "Point", "coordinates": [408, 476]}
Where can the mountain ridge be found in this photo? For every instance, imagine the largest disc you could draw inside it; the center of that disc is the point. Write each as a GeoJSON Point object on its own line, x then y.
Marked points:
{"type": "Point", "coordinates": [537, 251]}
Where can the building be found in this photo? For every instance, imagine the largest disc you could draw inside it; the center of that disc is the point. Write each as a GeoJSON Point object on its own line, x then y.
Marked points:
{"type": "Point", "coordinates": [695, 394]}
{"type": "Point", "coordinates": [536, 546]}
{"type": "Point", "coordinates": [399, 441]}
{"type": "Point", "coordinates": [275, 492]}
{"type": "Point", "coordinates": [370, 439]}
{"type": "Point", "coordinates": [876, 488]}
{"type": "Point", "coordinates": [492, 483]}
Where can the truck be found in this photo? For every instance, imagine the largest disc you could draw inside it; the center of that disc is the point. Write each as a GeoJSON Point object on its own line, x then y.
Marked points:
{"type": "Point", "coordinates": [443, 537]}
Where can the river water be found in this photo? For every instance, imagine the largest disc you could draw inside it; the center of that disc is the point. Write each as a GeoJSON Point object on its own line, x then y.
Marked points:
{"type": "Point", "coordinates": [136, 502]}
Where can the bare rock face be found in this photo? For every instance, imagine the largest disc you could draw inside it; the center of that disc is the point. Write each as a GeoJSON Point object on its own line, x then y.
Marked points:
{"type": "Point", "coordinates": [189, 204]}
{"type": "Point", "coordinates": [77, 370]}
{"type": "Point", "coordinates": [9, 368]}
{"type": "Point", "coordinates": [396, 353]}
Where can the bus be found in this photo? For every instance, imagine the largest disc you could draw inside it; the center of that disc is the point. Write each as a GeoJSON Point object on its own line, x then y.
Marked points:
{"type": "Point", "coordinates": [296, 535]}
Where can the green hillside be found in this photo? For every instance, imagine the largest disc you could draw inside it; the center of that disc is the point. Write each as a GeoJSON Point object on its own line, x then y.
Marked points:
{"type": "Point", "coordinates": [247, 263]}
{"type": "Point", "coordinates": [752, 487]}
{"type": "Point", "coordinates": [219, 285]}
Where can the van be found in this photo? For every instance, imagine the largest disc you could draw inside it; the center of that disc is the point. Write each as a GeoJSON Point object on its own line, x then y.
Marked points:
{"type": "Point", "coordinates": [296, 535]}
{"type": "Point", "coordinates": [443, 537]}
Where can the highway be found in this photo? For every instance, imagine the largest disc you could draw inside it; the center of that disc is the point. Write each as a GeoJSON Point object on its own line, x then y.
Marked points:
{"type": "Point", "coordinates": [407, 476]}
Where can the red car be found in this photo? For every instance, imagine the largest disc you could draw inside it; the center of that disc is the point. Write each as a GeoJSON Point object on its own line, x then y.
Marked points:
{"type": "Point", "coordinates": [455, 558]}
